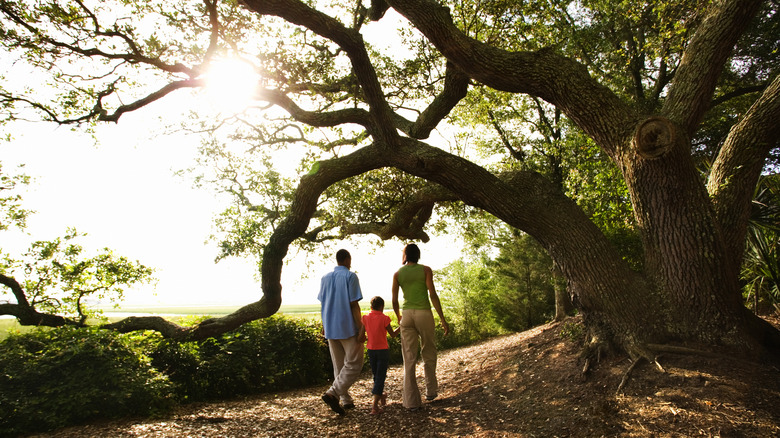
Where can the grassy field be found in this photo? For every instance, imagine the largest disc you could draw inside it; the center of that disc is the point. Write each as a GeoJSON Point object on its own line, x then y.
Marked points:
{"type": "Point", "coordinates": [286, 309]}
{"type": "Point", "coordinates": [173, 312]}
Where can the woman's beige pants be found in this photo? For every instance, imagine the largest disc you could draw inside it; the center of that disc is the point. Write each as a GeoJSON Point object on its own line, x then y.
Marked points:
{"type": "Point", "coordinates": [417, 334]}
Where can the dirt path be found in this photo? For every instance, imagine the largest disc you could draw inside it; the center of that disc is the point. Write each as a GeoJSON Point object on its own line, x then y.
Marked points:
{"type": "Point", "coordinates": [522, 385]}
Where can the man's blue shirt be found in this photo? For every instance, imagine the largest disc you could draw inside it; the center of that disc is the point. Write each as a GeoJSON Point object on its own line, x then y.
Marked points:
{"type": "Point", "coordinates": [337, 289]}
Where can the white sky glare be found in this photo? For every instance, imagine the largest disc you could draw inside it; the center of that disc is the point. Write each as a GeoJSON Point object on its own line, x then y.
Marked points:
{"type": "Point", "coordinates": [123, 193]}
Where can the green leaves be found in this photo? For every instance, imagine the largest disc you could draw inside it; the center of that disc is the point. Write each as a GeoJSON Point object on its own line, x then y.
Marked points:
{"type": "Point", "coordinates": [761, 264]}
{"type": "Point", "coordinates": [58, 277]}
{"type": "Point", "coordinates": [55, 378]}
{"type": "Point", "coordinates": [12, 214]}
{"type": "Point", "coordinates": [270, 354]}
{"type": "Point", "coordinates": [467, 290]}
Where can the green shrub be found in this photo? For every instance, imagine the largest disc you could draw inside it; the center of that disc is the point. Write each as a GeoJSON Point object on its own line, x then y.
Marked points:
{"type": "Point", "coordinates": [266, 355]}
{"type": "Point", "coordinates": [54, 378]}
{"type": "Point", "coordinates": [571, 330]}
{"type": "Point", "coordinates": [60, 377]}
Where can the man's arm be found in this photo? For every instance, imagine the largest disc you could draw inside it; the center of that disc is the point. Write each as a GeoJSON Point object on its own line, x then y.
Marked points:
{"type": "Point", "coordinates": [362, 334]}
{"type": "Point", "coordinates": [355, 307]}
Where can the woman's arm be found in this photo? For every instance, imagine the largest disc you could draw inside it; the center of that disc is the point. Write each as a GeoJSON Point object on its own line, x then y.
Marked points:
{"type": "Point", "coordinates": [435, 298]}
{"type": "Point", "coordinates": [396, 306]}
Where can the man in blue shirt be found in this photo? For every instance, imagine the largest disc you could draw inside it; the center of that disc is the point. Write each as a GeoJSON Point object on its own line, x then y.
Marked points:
{"type": "Point", "coordinates": [341, 321]}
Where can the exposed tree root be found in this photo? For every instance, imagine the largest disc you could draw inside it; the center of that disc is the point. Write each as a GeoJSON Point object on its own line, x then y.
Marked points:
{"type": "Point", "coordinates": [663, 348]}
{"type": "Point", "coordinates": [637, 351]}
{"type": "Point", "coordinates": [591, 351]}
{"type": "Point", "coordinates": [649, 353]}
{"type": "Point", "coordinates": [624, 380]}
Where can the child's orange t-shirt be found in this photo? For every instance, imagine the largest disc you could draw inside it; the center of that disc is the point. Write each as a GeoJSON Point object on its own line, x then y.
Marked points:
{"type": "Point", "coordinates": [375, 323]}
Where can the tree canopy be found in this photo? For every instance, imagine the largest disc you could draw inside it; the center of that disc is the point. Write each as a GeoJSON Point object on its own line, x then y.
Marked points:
{"type": "Point", "coordinates": [681, 98]}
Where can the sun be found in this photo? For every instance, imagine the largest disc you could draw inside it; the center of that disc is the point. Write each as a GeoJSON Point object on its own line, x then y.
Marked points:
{"type": "Point", "coordinates": [230, 85]}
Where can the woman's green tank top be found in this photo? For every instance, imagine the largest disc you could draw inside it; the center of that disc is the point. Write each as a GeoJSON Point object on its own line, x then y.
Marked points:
{"type": "Point", "coordinates": [411, 278]}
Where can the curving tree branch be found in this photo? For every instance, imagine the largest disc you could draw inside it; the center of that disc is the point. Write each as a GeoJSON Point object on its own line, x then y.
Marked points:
{"type": "Point", "coordinates": [559, 80]}
{"type": "Point", "coordinates": [315, 118]}
{"type": "Point", "coordinates": [349, 40]}
{"type": "Point", "coordinates": [455, 88]}
{"type": "Point", "coordinates": [16, 289]}
{"type": "Point", "coordinates": [739, 164]}
{"type": "Point", "coordinates": [695, 79]}
{"type": "Point", "coordinates": [25, 313]}
{"type": "Point", "coordinates": [323, 175]}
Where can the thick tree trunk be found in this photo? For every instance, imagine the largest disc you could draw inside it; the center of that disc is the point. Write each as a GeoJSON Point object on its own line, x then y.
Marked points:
{"type": "Point", "coordinates": [685, 258]}
{"type": "Point", "coordinates": [689, 291]}
{"type": "Point", "coordinates": [563, 304]}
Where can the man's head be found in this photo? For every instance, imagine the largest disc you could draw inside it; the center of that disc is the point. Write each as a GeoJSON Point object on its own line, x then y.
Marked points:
{"type": "Point", "coordinates": [377, 303]}
{"type": "Point", "coordinates": [343, 258]}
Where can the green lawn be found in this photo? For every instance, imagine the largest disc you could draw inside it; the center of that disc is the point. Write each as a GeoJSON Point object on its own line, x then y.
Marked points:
{"type": "Point", "coordinates": [174, 312]}
{"type": "Point", "coordinates": [205, 310]}
{"type": "Point", "coordinates": [177, 312]}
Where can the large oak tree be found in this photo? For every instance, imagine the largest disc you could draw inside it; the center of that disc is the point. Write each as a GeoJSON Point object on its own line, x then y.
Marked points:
{"type": "Point", "coordinates": [693, 229]}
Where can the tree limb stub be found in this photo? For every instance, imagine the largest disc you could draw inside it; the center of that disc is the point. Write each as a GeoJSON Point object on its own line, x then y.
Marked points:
{"type": "Point", "coordinates": [654, 137]}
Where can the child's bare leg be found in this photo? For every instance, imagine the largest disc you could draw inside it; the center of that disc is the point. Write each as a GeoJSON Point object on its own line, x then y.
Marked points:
{"type": "Point", "coordinates": [375, 408]}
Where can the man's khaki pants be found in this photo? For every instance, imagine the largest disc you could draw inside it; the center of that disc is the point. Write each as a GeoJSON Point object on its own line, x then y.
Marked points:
{"type": "Point", "coordinates": [347, 357]}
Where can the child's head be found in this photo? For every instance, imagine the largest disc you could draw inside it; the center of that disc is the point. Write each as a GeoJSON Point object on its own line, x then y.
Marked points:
{"type": "Point", "coordinates": [377, 303]}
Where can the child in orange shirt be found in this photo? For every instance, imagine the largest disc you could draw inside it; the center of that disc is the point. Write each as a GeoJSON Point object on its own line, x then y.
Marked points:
{"type": "Point", "coordinates": [375, 324]}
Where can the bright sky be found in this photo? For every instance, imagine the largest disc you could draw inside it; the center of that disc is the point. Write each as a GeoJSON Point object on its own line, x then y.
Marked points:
{"type": "Point", "coordinates": [124, 194]}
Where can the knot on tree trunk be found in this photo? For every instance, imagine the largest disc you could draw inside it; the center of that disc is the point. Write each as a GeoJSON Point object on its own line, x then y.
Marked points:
{"type": "Point", "coordinates": [654, 137]}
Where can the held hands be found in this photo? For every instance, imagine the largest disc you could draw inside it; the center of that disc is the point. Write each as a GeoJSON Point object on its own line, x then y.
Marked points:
{"type": "Point", "coordinates": [362, 335]}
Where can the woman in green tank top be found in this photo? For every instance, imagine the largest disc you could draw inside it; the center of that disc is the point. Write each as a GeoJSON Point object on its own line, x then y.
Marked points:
{"type": "Point", "coordinates": [417, 325]}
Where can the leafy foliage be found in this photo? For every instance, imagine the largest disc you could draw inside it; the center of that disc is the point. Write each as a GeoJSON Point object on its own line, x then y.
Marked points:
{"type": "Point", "coordinates": [54, 378]}
{"type": "Point", "coordinates": [510, 293]}
{"type": "Point", "coordinates": [467, 291]}
{"type": "Point", "coordinates": [270, 354]}
{"type": "Point", "coordinates": [13, 214]}
{"type": "Point", "coordinates": [59, 278]}
{"type": "Point", "coordinates": [57, 377]}
{"type": "Point", "coordinates": [761, 266]}
{"type": "Point", "coordinates": [524, 275]}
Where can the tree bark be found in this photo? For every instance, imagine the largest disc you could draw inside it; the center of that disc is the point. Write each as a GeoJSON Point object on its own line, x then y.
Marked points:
{"type": "Point", "coordinates": [563, 304]}
{"type": "Point", "coordinates": [689, 290]}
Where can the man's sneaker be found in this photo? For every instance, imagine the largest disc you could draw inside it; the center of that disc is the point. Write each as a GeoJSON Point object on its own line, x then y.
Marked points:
{"type": "Point", "coordinates": [333, 402]}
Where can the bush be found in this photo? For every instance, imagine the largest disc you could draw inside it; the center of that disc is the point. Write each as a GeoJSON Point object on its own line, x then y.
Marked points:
{"type": "Point", "coordinates": [265, 355]}
{"type": "Point", "coordinates": [467, 291]}
{"type": "Point", "coordinates": [60, 377]}
{"type": "Point", "coordinates": [54, 378]}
